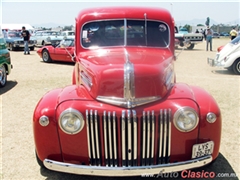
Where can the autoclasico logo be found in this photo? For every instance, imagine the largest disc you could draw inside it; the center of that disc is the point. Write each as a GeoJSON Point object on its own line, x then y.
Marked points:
{"type": "Point", "coordinates": [186, 174]}
{"type": "Point", "coordinates": [197, 174]}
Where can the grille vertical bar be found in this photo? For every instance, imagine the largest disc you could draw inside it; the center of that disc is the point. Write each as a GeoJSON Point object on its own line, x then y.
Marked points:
{"type": "Point", "coordinates": [106, 135]}
{"type": "Point", "coordinates": [114, 139]}
{"type": "Point", "coordinates": [129, 138]}
{"type": "Point", "coordinates": [123, 140]}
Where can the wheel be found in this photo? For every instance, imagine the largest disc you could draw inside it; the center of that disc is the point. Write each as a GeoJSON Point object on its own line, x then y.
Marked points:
{"type": "Point", "coordinates": [190, 46]}
{"type": "Point", "coordinates": [3, 76]}
{"type": "Point", "coordinates": [236, 66]}
{"type": "Point", "coordinates": [11, 48]}
{"type": "Point", "coordinates": [40, 163]}
{"type": "Point", "coordinates": [32, 48]}
{"type": "Point", "coordinates": [45, 56]}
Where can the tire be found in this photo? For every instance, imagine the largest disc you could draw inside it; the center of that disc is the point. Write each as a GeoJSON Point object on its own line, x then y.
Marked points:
{"type": "Point", "coordinates": [45, 56]}
{"type": "Point", "coordinates": [236, 66]}
{"type": "Point", "coordinates": [40, 163]}
{"type": "Point", "coordinates": [191, 46]}
{"type": "Point", "coordinates": [11, 48]}
{"type": "Point", "coordinates": [3, 76]}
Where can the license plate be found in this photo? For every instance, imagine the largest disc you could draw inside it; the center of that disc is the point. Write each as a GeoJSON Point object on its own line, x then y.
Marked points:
{"type": "Point", "coordinates": [199, 150]}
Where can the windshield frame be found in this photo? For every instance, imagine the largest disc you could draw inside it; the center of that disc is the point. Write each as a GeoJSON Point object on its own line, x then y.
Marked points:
{"type": "Point", "coordinates": [125, 38]}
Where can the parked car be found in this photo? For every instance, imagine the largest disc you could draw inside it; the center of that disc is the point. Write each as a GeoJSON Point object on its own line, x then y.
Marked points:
{"type": "Point", "coordinates": [48, 37]}
{"type": "Point", "coordinates": [64, 51]}
{"type": "Point", "coordinates": [224, 34]}
{"type": "Point", "coordinates": [5, 62]}
{"type": "Point", "coordinates": [125, 114]}
{"type": "Point", "coordinates": [15, 41]}
{"type": "Point", "coordinates": [68, 34]}
{"type": "Point", "coordinates": [216, 35]}
{"type": "Point", "coordinates": [188, 40]}
{"type": "Point", "coordinates": [228, 57]}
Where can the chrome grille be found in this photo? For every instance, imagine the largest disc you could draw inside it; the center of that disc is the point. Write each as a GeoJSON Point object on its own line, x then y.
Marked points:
{"type": "Point", "coordinates": [128, 139]}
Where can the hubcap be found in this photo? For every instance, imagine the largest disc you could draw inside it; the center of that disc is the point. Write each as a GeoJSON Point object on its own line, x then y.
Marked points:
{"type": "Point", "coordinates": [238, 66]}
{"type": "Point", "coordinates": [45, 56]}
{"type": "Point", "coordinates": [2, 75]}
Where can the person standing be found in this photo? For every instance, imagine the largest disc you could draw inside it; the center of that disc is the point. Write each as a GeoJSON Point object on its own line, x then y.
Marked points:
{"type": "Point", "coordinates": [209, 34]}
{"type": "Point", "coordinates": [233, 33]}
{"type": "Point", "coordinates": [26, 37]}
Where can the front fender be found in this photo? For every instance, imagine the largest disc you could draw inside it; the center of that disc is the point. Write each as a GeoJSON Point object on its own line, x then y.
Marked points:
{"type": "Point", "coordinates": [46, 137]}
{"type": "Point", "coordinates": [208, 104]}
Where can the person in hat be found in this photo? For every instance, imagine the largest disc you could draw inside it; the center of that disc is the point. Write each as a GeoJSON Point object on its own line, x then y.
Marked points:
{"type": "Point", "coordinates": [26, 37]}
{"type": "Point", "coordinates": [233, 33]}
{"type": "Point", "coordinates": [209, 35]}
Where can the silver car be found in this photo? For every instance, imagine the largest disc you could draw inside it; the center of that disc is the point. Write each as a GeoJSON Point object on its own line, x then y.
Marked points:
{"type": "Point", "coordinates": [47, 37]}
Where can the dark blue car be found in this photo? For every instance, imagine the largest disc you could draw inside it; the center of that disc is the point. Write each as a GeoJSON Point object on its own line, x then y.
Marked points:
{"type": "Point", "coordinates": [15, 41]}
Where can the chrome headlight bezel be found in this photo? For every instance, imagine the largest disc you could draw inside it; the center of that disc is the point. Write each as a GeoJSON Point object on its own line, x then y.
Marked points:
{"type": "Point", "coordinates": [185, 119]}
{"type": "Point", "coordinates": [71, 121]}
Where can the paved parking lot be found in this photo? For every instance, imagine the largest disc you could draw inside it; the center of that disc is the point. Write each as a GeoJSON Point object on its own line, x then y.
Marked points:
{"type": "Point", "coordinates": [31, 79]}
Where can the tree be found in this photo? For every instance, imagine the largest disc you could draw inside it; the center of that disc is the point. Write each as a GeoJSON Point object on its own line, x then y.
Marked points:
{"type": "Point", "coordinates": [207, 21]}
{"type": "Point", "coordinates": [188, 27]}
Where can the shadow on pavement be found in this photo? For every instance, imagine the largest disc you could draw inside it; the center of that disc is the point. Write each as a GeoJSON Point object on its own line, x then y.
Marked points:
{"type": "Point", "coordinates": [8, 87]}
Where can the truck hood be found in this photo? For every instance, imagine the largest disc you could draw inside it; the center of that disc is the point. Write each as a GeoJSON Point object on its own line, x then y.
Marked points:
{"type": "Point", "coordinates": [127, 76]}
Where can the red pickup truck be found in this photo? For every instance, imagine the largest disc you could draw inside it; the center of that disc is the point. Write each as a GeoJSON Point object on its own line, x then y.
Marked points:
{"type": "Point", "coordinates": [124, 113]}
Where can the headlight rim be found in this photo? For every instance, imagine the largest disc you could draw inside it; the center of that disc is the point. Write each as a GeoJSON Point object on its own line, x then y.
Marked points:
{"type": "Point", "coordinates": [179, 112]}
{"type": "Point", "coordinates": [75, 112]}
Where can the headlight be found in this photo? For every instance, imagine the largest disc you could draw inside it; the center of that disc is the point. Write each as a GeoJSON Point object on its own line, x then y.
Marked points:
{"type": "Point", "coordinates": [185, 119]}
{"type": "Point", "coordinates": [71, 121]}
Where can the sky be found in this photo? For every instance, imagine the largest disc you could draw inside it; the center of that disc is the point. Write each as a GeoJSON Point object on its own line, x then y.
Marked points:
{"type": "Point", "coordinates": [60, 12]}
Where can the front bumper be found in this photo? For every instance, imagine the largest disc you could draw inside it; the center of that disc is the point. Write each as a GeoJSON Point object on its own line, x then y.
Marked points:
{"type": "Point", "coordinates": [213, 63]}
{"type": "Point", "coordinates": [22, 45]}
{"type": "Point", "coordinates": [126, 171]}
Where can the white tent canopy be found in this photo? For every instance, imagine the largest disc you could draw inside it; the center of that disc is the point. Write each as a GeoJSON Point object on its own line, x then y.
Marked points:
{"type": "Point", "coordinates": [16, 26]}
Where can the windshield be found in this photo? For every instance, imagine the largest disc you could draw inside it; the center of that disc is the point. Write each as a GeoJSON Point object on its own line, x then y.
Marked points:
{"type": "Point", "coordinates": [14, 34]}
{"type": "Point", "coordinates": [67, 43]}
{"type": "Point", "coordinates": [236, 40]}
{"type": "Point", "coordinates": [125, 33]}
{"type": "Point", "coordinates": [50, 33]}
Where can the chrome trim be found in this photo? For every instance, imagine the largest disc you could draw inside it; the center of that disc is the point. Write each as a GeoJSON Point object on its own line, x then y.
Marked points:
{"type": "Point", "coordinates": [164, 133]}
{"type": "Point", "coordinates": [88, 136]}
{"type": "Point", "coordinates": [160, 136]}
{"type": "Point", "coordinates": [114, 139]}
{"type": "Point", "coordinates": [148, 138]}
{"type": "Point", "coordinates": [153, 138]}
{"type": "Point", "coordinates": [86, 79]}
{"type": "Point", "coordinates": [123, 140]}
{"type": "Point", "coordinates": [96, 136]}
{"type": "Point", "coordinates": [105, 137]}
{"type": "Point", "coordinates": [126, 103]}
{"type": "Point", "coordinates": [110, 139]}
{"type": "Point", "coordinates": [169, 132]}
{"type": "Point", "coordinates": [92, 134]}
{"type": "Point", "coordinates": [126, 171]}
{"type": "Point", "coordinates": [144, 138]}
{"type": "Point", "coordinates": [129, 82]}
{"type": "Point", "coordinates": [129, 138]}
{"type": "Point", "coordinates": [106, 130]}
{"type": "Point", "coordinates": [135, 138]}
